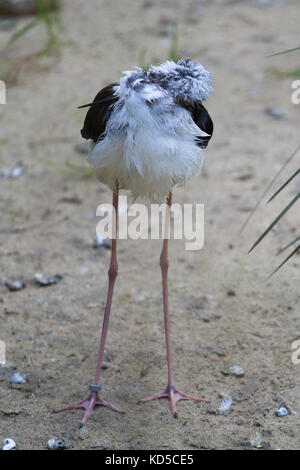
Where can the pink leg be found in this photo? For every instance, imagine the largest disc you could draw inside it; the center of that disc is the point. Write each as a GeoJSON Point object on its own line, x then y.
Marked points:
{"type": "Point", "coordinates": [170, 391]}
{"type": "Point", "coordinates": [94, 399]}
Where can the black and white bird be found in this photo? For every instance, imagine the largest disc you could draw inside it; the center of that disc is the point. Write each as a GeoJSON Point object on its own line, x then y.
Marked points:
{"type": "Point", "coordinates": [147, 134]}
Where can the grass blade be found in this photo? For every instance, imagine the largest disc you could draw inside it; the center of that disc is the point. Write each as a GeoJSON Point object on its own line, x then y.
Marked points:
{"type": "Point", "coordinates": [285, 52]}
{"type": "Point", "coordinates": [284, 185]}
{"type": "Point", "coordinates": [288, 245]}
{"type": "Point", "coordinates": [282, 213]}
{"type": "Point", "coordinates": [268, 187]}
{"type": "Point", "coordinates": [23, 31]}
{"type": "Point", "coordinates": [286, 259]}
{"type": "Point", "coordinates": [173, 52]}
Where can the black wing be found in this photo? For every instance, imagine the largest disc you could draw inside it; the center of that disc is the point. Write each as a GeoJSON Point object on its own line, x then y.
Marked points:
{"type": "Point", "coordinates": [99, 113]}
{"type": "Point", "coordinates": [201, 118]}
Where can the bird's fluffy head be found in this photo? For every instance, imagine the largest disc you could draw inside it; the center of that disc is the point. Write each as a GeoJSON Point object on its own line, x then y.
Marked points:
{"type": "Point", "coordinates": [185, 79]}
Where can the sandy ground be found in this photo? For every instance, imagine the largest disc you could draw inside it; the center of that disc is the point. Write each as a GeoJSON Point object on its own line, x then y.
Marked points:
{"type": "Point", "coordinates": [222, 310]}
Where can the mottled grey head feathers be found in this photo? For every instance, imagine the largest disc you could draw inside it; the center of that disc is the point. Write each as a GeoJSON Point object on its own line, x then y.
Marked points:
{"type": "Point", "coordinates": [185, 79]}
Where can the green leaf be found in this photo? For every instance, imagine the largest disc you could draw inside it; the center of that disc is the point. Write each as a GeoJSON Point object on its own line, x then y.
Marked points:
{"type": "Point", "coordinates": [282, 213]}
{"type": "Point", "coordinates": [286, 259]}
{"type": "Point", "coordinates": [268, 187]}
{"type": "Point", "coordinates": [284, 185]}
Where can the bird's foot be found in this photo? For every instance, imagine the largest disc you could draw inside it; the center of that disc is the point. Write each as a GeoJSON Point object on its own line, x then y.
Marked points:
{"type": "Point", "coordinates": [88, 404]}
{"type": "Point", "coordinates": [174, 396]}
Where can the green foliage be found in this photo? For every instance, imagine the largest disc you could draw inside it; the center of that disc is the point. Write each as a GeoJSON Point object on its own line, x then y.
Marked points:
{"type": "Point", "coordinates": [50, 18]}
{"type": "Point", "coordinates": [282, 213]}
{"type": "Point", "coordinates": [293, 74]}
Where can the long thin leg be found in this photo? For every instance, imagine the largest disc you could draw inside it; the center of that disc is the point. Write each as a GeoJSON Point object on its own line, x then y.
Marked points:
{"type": "Point", "coordinates": [94, 399]}
{"type": "Point", "coordinates": [164, 265]}
{"type": "Point", "coordinates": [170, 391]}
{"type": "Point", "coordinates": [112, 275]}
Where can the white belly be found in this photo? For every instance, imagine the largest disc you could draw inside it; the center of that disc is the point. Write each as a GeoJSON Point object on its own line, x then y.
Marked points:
{"type": "Point", "coordinates": [149, 166]}
{"type": "Point", "coordinates": [147, 153]}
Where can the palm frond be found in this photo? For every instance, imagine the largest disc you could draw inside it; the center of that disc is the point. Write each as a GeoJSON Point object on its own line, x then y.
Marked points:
{"type": "Point", "coordinates": [268, 187]}
{"type": "Point", "coordinates": [288, 245]}
{"type": "Point", "coordinates": [284, 184]}
{"type": "Point", "coordinates": [286, 259]}
{"type": "Point", "coordinates": [275, 221]}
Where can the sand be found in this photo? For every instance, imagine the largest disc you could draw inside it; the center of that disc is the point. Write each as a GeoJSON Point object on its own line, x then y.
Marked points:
{"type": "Point", "coordinates": [222, 309]}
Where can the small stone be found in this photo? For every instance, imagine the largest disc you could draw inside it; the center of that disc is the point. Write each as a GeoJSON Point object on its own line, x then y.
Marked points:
{"type": "Point", "coordinates": [13, 172]}
{"type": "Point", "coordinates": [234, 369]}
{"type": "Point", "coordinates": [231, 293]}
{"type": "Point", "coordinates": [282, 411]}
{"type": "Point", "coordinates": [11, 411]}
{"type": "Point", "coordinates": [9, 444]}
{"type": "Point", "coordinates": [44, 280]}
{"type": "Point", "coordinates": [14, 285]}
{"type": "Point", "coordinates": [57, 443]}
{"type": "Point", "coordinates": [18, 378]}
{"type": "Point", "coordinates": [100, 242]}
{"type": "Point", "coordinates": [256, 441]}
{"type": "Point", "coordinates": [105, 365]}
{"type": "Point", "coordinates": [226, 403]}
{"type": "Point", "coordinates": [275, 113]}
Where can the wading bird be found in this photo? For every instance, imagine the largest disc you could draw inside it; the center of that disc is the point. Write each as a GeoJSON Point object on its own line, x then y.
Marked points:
{"type": "Point", "coordinates": [147, 134]}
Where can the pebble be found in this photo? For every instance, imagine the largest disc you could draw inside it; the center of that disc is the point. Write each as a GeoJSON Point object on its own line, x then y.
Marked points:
{"type": "Point", "coordinates": [56, 443]}
{"type": "Point", "coordinates": [44, 280]}
{"type": "Point", "coordinates": [282, 411]}
{"type": "Point", "coordinates": [226, 403]}
{"type": "Point", "coordinates": [256, 441]}
{"type": "Point", "coordinates": [14, 285]}
{"type": "Point", "coordinates": [231, 293]}
{"type": "Point", "coordinates": [114, 366]}
{"type": "Point", "coordinates": [101, 242]}
{"type": "Point", "coordinates": [13, 172]}
{"type": "Point", "coordinates": [234, 369]}
{"type": "Point", "coordinates": [9, 444]}
{"type": "Point", "coordinates": [275, 113]}
{"type": "Point", "coordinates": [18, 378]}
{"type": "Point", "coordinates": [11, 411]}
